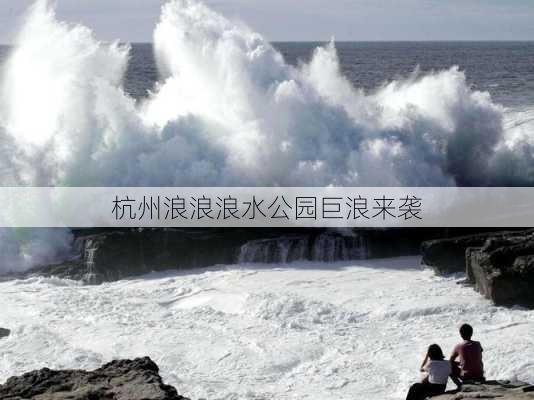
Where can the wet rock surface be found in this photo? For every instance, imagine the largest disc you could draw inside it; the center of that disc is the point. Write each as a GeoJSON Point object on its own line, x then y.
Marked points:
{"type": "Point", "coordinates": [118, 380]}
{"type": "Point", "coordinates": [503, 390]}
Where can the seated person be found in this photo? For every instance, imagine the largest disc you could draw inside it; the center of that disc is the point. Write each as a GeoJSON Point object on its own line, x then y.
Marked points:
{"type": "Point", "coordinates": [438, 370]}
{"type": "Point", "coordinates": [469, 366]}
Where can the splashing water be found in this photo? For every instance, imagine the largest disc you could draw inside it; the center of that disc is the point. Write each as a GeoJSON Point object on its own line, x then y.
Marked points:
{"type": "Point", "coordinates": [228, 110]}
{"type": "Point", "coordinates": [345, 331]}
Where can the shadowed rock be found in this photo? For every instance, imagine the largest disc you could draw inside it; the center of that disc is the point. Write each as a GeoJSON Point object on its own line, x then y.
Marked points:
{"type": "Point", "coordinates": [110, 255]}
{"type": "Point", "coordinates": [503, 270]}
{"type": "Point", "coordinates": [500, 265]}
{"type": "Point", "coordinates": [119, 380]}
{"type": "Point", "coordinates": [113, 255]}
{"type": "Point", "coordinates": [448, 256]}
{"type": "Point", "coordinates": [4, 332]}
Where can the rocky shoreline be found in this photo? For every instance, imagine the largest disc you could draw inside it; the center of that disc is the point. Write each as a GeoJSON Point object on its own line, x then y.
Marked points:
{"type": "Point", "coordinates": [499, 265]}
{"type": "Point", "coordinates": [137, 379]}
{"type": "Point", "coordinates": [109, 255]}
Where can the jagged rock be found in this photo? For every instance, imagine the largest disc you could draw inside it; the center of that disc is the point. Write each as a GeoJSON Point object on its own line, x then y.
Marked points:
{"type": "Point", "coordinates": [447, 256]}
{"type": "Point", "coordinates": [4, 332]}
{"type": "Point", "coordinates": [502, 390]}
{"type": "Point", "coordinates": [118, 380]}
{"type": "Point", "coordinates": [503, 270]}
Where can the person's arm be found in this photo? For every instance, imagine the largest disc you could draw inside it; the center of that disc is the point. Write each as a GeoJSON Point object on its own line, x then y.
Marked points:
{"type": "Point", "coordinates": [454, 354]}
{"type": "Point", "coordinates": [425, 360]}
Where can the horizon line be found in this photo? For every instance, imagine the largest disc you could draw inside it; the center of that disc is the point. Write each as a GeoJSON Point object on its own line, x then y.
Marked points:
{"type": "Point", "coordinates": [359, 41]}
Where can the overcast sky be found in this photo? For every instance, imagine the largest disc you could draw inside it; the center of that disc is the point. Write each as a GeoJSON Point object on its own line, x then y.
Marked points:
{"type": "Point", "coordinates": [134, 20]}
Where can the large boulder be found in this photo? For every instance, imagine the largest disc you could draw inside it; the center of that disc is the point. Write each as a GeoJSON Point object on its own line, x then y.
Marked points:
{"type": "Point", "coordinates": [119, 380]}
{"type": "Point", "coordinates": [503, 270]}
{"type": "Point", "coordinates": [448, 255]}
{"type": "Point", "coordinates": [502, 390]}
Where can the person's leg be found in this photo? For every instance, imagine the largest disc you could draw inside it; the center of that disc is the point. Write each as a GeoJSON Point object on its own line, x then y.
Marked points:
{"type": "Point", "coordinates": [455, 374]}
{"type": "Point", "coordinates": [435, 390]}
{"type": "Point", "coordinates": [416, 392]}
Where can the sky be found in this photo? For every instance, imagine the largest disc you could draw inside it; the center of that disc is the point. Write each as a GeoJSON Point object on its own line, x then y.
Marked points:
{"type": "Point", "coordinates": [308, 20]}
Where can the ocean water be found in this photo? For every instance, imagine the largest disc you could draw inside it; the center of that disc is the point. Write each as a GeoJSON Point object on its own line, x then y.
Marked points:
{"type": "Point", "coordinates": [503, 69]}
{"type": "Point", "coordinates": [339, 331]}
{"type": "Point", "coordinates": [228, 108]}
{"type": "Point", "coordinates": [213, 103]}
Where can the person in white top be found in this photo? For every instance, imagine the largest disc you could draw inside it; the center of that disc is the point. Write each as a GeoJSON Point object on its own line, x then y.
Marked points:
{"type": "Point", "coordinates": [437, 371]}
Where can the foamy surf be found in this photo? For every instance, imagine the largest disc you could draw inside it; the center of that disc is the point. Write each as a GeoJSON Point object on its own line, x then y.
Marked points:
{"type": "Point", "coordinates": [317, 331]}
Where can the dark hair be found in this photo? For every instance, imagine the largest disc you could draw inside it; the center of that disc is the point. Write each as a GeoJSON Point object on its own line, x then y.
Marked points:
{"type": "Point", "coordinates": [466, 331]}
{"type": "Point", "coordinates": [435, 352]}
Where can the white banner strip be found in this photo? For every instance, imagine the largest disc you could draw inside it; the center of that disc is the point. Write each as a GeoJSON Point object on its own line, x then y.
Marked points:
{"type": "Point", "coordinates": [85, 207]}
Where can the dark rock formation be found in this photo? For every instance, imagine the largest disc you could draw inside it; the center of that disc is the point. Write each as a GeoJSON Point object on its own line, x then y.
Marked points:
{"type": "Point", "coordinates": [503, 270]}
{"type": "Point", "coordinates": [108, 255]}
{"type": "Point", "coordinates": [4, 332]}
{"type": "Point", "coordinates": [500, 265]}
{"type": "Point", "coordinates": [326, 247]}
{"type": "Point", "coordinates": [502, 390]}
{"type": "Point", "coordinates": [119, 380]}
{"type": "Point", "coordinates": [113, 255]}
{"type": "Point", "coordinates": [448, 255]}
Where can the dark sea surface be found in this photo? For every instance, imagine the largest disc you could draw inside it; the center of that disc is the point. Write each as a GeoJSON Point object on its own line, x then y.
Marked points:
{"type": "Point", "coordinates": [504, 69]}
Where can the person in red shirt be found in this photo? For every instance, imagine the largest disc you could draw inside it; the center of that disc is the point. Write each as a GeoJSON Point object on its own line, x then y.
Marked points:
{"type": "Point", "coordinates": [466, 358]}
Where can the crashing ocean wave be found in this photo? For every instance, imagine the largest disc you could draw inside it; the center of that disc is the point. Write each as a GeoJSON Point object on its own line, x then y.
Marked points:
{"type": "Point", "coordinates": [229, 111]}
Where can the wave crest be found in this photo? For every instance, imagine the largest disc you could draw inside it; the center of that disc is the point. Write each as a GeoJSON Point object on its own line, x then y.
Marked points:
{"type": "Point", "coordinates": [228, 110]}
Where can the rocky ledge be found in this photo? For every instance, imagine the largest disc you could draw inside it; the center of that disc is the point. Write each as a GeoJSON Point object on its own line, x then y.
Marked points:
{"type": "Point", "coordinates": [108, 255]}
{"type": "Point", "coordinates": [502, 390]}
{"type": "Point", "coordinates": [447, 256]}
{"type": "Point", "coordinates": [119, 380]}
{"type": "Point", "coordinates": [503, 270]}
{"type": "Point", "coordinates": [499, 265]}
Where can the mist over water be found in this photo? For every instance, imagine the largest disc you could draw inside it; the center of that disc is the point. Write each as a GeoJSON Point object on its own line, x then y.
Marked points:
{"type": "Point", "coordinates": [228, 110]}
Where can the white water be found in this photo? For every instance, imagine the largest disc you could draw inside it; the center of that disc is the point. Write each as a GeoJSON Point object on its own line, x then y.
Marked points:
{"type": "Point", "coordinates": [305, 331]}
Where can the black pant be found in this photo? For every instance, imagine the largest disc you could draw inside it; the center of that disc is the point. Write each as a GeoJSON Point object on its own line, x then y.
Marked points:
{"type": "Point", "coordinates": [420, 391]}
